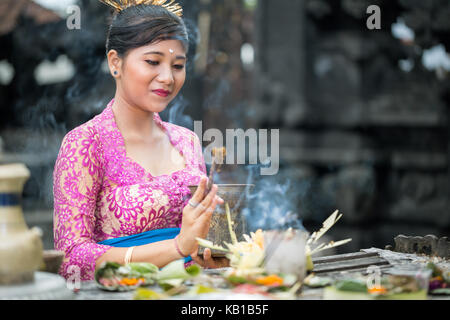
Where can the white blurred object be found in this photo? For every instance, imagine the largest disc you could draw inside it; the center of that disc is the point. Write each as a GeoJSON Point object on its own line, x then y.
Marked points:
{"type": "Point", "coordinates": [406, 64]}
{"type": "Point", "coordinates": [6, 72]}
{"type": "Point", "coordinates": [247, 55]}
{"type": "Point", "coordinates": [59, 6]}
{"type": "Point", "coordinates": [289, 252]}
{"type": "Point", "coordinates": [401, 31]}
{"type": "Point", "coordinates": [54, 72]}
{"type": "Point", "coordinates": [436, 58]}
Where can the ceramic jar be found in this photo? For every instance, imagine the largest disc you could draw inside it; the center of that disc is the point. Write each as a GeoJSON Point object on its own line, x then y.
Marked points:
{"type": "Point", "coordinates": [20, 247]}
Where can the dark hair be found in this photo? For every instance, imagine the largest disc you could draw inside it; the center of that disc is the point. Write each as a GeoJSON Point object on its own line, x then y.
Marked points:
{"type": "Point", "coordinates": [141, 25]}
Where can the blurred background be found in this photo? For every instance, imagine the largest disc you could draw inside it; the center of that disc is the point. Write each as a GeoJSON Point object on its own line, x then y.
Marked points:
{"type": "Point", "coordinates": [363, 114]}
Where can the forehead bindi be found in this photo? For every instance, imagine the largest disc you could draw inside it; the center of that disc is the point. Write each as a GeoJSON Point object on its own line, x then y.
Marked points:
{"type": "Point", "coordinates": [170, 48]}
{"type": "Point", "coordinates": [170, 52]}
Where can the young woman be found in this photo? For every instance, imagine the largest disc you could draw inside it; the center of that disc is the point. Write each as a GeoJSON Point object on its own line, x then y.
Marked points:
{"type": "Point", "coordinates": [121, 179]}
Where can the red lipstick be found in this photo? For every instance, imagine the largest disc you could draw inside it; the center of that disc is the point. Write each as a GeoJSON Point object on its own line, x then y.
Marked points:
{"type": "Point", "coordinates": [161, 92]}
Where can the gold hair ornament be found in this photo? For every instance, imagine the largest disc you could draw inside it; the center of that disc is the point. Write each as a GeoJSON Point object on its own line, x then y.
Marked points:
{"type": "Point", "coordinates": [120, 5]}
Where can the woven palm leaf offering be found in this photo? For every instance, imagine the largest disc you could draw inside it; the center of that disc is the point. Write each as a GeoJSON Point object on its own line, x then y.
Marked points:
{"type": "Point", "coordinates": [399, 285]}
{"type": "Point", "coordinates": [271, 262]}
{"type": "Point", "coordinates": [265, 264]}
{"type": "Point", "coordinates": [312, 245]}
{"type": "Point", "coordinates": [112, 276]}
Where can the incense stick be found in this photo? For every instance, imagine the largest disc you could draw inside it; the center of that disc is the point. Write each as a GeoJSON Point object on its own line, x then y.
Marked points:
{"type": "Point", "coordinates": [275, 242]}
{"type": "Point", "coordinates": [218, 155]}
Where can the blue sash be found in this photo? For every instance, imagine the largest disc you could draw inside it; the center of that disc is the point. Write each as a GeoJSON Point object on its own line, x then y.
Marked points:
{"type": "Point", "coordinates": [144, 238]}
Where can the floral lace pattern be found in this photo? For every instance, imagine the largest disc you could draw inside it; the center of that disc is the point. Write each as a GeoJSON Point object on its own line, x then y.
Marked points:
{"type": "Point", "coordinates": [100, 193]}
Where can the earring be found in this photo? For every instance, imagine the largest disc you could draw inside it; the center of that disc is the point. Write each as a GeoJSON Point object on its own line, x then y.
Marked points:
{"type": "Point", "coordinates": [115, 73]}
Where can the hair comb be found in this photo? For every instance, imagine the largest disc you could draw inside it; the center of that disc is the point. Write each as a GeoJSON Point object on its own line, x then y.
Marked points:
{"type": "Point", "coordinates": [120, 5]}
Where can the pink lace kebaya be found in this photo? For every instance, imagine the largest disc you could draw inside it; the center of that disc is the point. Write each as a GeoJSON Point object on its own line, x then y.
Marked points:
{"type": "Point", "coordinates": [100, 193]}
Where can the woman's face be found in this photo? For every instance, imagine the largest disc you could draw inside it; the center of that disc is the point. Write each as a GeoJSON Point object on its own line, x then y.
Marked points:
{"type": "Point", "coordinates": [151, 76]}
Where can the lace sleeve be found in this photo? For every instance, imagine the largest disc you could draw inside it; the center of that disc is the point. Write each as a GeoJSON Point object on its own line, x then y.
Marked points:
{"type": "Point", "coordinates": [77, 179]}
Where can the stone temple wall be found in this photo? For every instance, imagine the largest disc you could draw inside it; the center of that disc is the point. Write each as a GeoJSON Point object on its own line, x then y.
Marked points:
{"type": "Point", "coordinates": [358, 132]}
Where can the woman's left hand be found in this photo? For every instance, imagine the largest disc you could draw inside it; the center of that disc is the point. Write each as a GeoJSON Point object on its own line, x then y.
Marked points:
{"type": "Point", "coordinates": [208, 262]}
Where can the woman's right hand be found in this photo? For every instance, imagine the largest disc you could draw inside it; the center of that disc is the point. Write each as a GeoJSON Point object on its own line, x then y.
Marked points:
{"type": "Point", "coordinates": [196, 221]}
